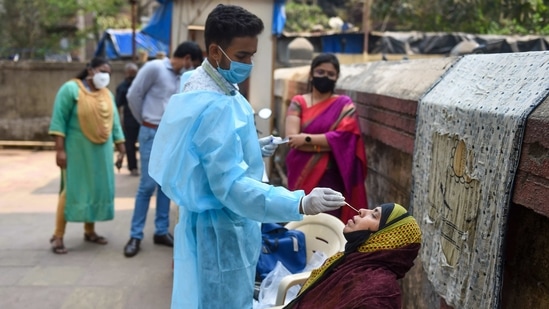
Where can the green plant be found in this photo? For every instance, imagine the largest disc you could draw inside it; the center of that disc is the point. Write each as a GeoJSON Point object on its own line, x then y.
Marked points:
{"type": "Point", "coordinates": [302, 17]}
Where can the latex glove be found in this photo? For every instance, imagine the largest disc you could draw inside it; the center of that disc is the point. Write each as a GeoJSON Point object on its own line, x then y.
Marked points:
{"type": "Point", "coordinates": [321, 200]}
{"type": "Point", "coordinates": [267, 146]}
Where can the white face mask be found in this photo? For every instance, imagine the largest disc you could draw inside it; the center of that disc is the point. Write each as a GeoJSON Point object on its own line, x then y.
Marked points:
{"type": "Point", "coordinates": [101, 80]}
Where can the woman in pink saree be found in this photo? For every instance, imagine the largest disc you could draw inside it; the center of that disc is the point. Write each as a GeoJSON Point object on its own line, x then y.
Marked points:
{"type": "Point", "coordinates": [326, 145]}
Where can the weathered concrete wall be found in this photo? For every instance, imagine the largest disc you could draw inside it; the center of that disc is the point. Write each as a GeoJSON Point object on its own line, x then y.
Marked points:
{"type": "Point", "coordinates": [533, 172]}
{"type": "Point", "coordinates": [386, 94]}
{"type": "Point", "coordinates": [526, 269]}
{"type": "Point", "coordinates": [27, 92]}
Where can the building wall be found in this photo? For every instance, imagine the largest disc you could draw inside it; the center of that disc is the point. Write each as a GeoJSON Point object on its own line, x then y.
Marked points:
{"type": "Point", "coordinates": [27, 93]}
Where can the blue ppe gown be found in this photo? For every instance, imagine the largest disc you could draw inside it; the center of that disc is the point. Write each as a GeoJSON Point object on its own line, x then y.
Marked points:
{"type": "Point", "coordinates": [184, 78]}
{"type": "Point", "coordinates": [207, 158]}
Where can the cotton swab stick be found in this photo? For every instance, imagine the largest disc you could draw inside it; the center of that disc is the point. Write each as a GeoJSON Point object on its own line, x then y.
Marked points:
{"type": "Point", "coordinates": [351, 207]}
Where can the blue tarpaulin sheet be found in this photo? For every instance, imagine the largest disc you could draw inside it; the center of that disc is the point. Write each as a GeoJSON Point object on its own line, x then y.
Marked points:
{"type": "Point", "coordinates": [279, 16]}
{"type": "Point", "coordinates": [160, 25]}
{"type": "Point", "coordinates": [345, 43]}
{"type": "Point", "coordinates": [117, 44]}
{"type": "Point", "coordinates": [153, 38]}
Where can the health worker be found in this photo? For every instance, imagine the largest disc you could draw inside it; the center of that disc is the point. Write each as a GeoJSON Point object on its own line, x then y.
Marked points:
{"type": "Point", "coordinates": [209, 161]}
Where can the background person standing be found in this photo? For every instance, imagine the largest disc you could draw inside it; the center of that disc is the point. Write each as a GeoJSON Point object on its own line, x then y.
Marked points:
{"type": "Point", "coordinates": [85, 125]}
{"type": "Point", "coordinates": [129, 124]}
{"type": "Point", "coordinates": [147, 97]}
{"type": "Point", "coordinates": [326, 147]}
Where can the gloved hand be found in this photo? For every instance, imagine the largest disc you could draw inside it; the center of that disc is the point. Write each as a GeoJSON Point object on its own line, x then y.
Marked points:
{"type": "Point", "coordinates": [321, 200]}
{"type": "Point", "coordinates": [267, 147]}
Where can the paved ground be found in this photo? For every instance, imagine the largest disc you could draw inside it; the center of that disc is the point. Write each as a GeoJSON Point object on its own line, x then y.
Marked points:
{"type": "Point", "coordinates": [89, 276]}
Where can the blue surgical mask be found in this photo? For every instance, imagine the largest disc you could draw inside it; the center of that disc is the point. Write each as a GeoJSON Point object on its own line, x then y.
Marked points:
{"type": "Point", "coordinates": [237, 72]}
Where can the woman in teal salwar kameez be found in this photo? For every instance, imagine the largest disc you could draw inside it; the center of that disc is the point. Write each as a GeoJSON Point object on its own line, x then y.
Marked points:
{"type": "Point", "coordinates": [85, 125]}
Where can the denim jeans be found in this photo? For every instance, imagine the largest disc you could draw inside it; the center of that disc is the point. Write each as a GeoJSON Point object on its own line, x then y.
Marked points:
{"type": "Point", "coordinates": [146, 188]}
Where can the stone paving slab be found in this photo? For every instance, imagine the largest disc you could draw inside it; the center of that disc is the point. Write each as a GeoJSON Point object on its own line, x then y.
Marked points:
{"type": "Point", "coordinates": [89, 276]}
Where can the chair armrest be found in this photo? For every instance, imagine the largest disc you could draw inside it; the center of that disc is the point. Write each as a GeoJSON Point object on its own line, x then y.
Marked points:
{"type": "Point", "coordinates": [287, 282]}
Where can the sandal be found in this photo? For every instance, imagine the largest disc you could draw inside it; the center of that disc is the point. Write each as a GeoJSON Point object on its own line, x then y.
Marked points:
{"type": "Point", "coordinates": [57, 245]}
{"type": "Point", "coordinates": [100, 240]}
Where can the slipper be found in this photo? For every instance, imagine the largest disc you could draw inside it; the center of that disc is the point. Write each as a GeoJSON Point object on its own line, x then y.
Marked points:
{"type": "Point", "coordinates": [57, 245]}
{"type": "Point", "coordinates": [100, 240]}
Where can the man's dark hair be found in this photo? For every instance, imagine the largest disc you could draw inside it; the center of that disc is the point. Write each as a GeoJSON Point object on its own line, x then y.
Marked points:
{"type": "Point", "coordinates": [188, 48]}
{"type": "Point", "coordinates": [226, 22]}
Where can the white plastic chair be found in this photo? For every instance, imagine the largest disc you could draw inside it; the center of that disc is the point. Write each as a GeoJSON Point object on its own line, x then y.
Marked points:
{"type": "Point", "coordinates": [324, 233]}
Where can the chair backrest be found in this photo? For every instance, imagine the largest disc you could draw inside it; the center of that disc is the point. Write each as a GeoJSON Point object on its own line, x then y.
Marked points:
{"type": "Point", "coordinates": [323, 232]}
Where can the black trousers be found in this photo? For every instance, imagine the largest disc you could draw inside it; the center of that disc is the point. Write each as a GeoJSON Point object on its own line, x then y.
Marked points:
{"type": "Point", "coordinates": [131, 132]}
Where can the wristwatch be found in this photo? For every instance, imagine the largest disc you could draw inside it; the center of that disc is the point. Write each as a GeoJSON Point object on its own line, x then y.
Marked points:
{"type": "Point", "coordinates": [308, 139]}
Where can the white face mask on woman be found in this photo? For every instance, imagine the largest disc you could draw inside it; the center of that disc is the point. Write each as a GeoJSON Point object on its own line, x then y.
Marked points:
{"type": "Point", "coordinates": [101, 80]}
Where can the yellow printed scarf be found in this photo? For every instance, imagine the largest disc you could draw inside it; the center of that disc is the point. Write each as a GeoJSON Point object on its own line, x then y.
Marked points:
{"type": "Point", "coordinates": [95, 113]}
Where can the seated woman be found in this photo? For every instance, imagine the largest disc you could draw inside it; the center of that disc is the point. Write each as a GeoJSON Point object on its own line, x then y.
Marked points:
{"type": "Point", "coordinates": [382, 244]}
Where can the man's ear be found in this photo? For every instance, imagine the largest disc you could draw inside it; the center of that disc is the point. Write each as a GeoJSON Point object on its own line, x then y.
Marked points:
{"type": "Point", "coordinates": [214, 52]}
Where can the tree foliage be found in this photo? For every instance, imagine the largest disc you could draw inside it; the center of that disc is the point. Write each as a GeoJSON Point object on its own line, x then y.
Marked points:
{"type": "Point", "coordinates": [302, 17]}
{"type": "Point", "coordinates": [33, 28]}
{"type": "Point", "coordinates": [471, 16]}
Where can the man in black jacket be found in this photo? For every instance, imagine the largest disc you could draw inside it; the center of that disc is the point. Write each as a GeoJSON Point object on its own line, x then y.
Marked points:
{"type": "Point", "coordinates": [130, 125]}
